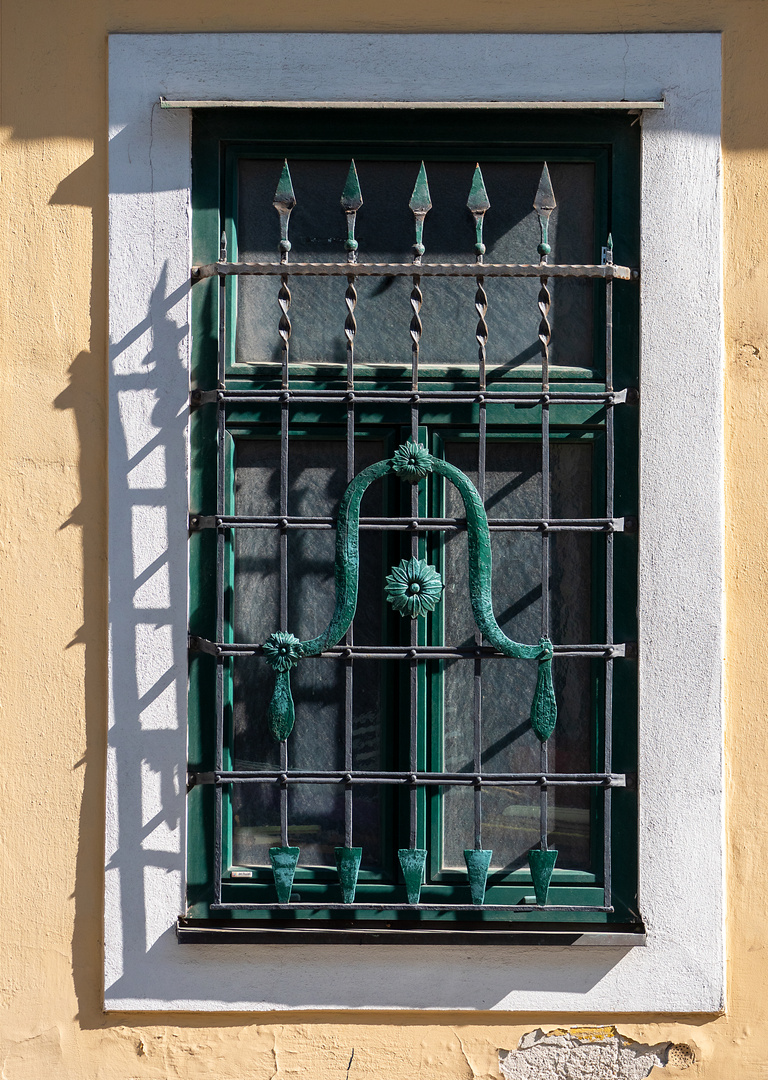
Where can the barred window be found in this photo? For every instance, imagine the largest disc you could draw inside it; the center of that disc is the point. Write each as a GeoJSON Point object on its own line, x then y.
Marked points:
{"type": "Point", "coordinates": [413, 521]}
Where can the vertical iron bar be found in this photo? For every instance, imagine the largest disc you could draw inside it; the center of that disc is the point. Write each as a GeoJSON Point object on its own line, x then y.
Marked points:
{"type": "Point", "coordinates": [478, 664]}
{"type": "Point", "coordinates": [545, 575]}
{"type": "Point", "coordinates": [221, 449]}
{"type": "Point", "coordinates": [609, 322]}
{"type": "Point", "coordinates": [284, 795]}
{"type": "Point", "coordinates": [478, 204]}
{"type": "Point", "coordinates": [351, 201]}
{"type": "Point", "coordinates": [420, 204]}
{"type": "Point", "coordinates": [544, 203]}
{"type": "Point", "coordinates": [284, 202]}
{"type": "Point", "coordinates": [609, 567]}
{"type": "Point", "coordinates": [350, 328]}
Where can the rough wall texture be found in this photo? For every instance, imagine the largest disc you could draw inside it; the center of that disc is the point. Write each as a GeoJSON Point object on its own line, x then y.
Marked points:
{"type": "Point", "coordinates": [53, 545]}
{"type": "Point", "coordinates": [588, 1053]}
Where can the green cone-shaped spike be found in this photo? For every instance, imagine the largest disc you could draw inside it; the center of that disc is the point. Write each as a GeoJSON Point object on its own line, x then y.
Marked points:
{"type": "Point", "coordinates": [351, 201]}
{"type": "Point", "coordinates": [285, 199]}
{"type": "Point", "coordinates": [284, 860]}
{"type": "Point", "coordinates": [281, 713]}
{"type": "Point", "coordinates": [544, 204]}
{"type": "Point", "coordinates": [412, 861]}
{"type": "Point", "coordinates": [544, 706]}
{"type": "Point", "coordinates": [608, 251]}
{"type": "Point", "coordinates": [348, 865]}
{"type": "Point", "coordinates": [284, 202]}
{"type": "Point", "coordinates": [478, 860]}
{"type": "Point", "coordinates": [351, 197]}
{"type": "Point", "coordinates": [478, 201]}
{"type": "Point", "coordinates": [421, 200]}
{"type": "Point", "coordinates": [542, 864]}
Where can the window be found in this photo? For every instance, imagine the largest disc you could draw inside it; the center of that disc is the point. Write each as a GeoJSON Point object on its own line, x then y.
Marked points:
{"type": "Point", "coordinates": [425, 762]}
{"type": "Point", "coordinates": [679, 541]}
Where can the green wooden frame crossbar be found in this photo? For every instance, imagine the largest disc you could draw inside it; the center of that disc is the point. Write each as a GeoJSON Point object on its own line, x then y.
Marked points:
{"type": "Point", "coordinates": [412, 463]}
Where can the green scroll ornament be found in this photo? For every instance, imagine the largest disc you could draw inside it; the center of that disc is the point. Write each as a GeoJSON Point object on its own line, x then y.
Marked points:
{"type": "Point", "coordinates": [412, 463]}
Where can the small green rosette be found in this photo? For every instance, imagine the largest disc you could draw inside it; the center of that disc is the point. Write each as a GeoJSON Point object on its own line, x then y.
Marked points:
{"type": "Point", "coordinates": [284, 861]}
{"type": "Point", "coordinates": [412, 863]}
{"type": "Point", "coordinates": [478, 860]}
{"type": "Point", "coordinates": [348, 866]}
{"type": "Point", "coordinates": [542, 863]}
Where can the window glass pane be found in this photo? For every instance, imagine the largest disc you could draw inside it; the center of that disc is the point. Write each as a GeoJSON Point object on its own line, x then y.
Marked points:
{"type": "Point", "coordinates": [511, 816]}
{"type": "Point", "coordinates": [317, 479]}
{"type": "Point", "coordinates": [385, 232]}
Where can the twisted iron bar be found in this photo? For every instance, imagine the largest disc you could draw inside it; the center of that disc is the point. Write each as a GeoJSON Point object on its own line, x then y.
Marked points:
{"type": "Point", "coordinates": [284, 326]}
{"type": "Point", "coordinates": [481, 333]}
{"type": "Point", "coordinates": [545, 330]}
{"type": "Point", "coordinates": [350, 323]}
{"type": "Point", "coordinates": [416, 328]}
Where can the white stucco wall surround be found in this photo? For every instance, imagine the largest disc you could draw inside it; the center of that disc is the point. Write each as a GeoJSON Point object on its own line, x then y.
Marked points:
{"type": "Point", "coordinates": [681, 514]}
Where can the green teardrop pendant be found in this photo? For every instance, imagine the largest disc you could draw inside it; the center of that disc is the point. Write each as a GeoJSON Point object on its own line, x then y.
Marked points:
{"type": "Point", "coordinates": [281, 714]}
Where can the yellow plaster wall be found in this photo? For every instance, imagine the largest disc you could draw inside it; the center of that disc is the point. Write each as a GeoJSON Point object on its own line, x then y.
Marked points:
{"type": "Point", "coordinates": [53, 550]}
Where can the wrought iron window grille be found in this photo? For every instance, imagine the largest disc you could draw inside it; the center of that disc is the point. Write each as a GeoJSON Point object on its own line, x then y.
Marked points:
{"type": "Point", "coordinates": [414, 586]}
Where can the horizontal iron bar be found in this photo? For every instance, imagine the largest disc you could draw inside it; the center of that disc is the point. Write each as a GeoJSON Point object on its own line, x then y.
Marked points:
{"type": "Point", "coordinates": [412, 652]}
{"type": "Point", "coordinates": [239, 521]}
{"type": "Point", "coordinates": [410, 397]}
{"type": "Point", "coordinates": [261, 103]}
{"type": "Point", "coordinates": [417, 779]}
{"type": "Point", "coordinates": [320, 906]}
{"type": "Point", "coordinates": [607, 271]}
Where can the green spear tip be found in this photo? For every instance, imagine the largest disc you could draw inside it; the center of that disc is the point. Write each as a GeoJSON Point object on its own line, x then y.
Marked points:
{"type": "Point", "coordinates": [285, 199]}
{"type": "Point", "coordinates": [421, 200]}
{"type": "Point", "coordinates": [478, 201]}
{"type": "Point", "coordinates": [351, 196]}
{"type": "Point", "coordinates": [609, 243]}
{"type": "Point", "coordinates": [544, 203]}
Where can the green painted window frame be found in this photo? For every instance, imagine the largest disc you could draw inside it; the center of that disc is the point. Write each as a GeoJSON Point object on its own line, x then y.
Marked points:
{"type": "Point", "coordinates": [220, 139]}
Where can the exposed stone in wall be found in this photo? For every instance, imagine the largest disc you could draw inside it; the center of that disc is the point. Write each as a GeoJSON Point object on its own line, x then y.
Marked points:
{"type": "Point", "coordinates": [586, 1053]}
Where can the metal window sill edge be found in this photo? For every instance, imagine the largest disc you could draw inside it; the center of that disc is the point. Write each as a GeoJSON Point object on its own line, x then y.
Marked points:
{"type": "Point", "coordinates": [288, 103]}
{"type": "Point", "coordinates": [199, 932]}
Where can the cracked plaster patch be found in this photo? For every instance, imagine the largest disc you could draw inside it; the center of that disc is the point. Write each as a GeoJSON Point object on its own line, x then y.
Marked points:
{"type": "Point", "coordinates": [599, 1053]}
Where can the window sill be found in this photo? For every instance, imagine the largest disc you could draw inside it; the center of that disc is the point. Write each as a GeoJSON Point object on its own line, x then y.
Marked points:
{"type": "Point", "coordinates": [205, 932]}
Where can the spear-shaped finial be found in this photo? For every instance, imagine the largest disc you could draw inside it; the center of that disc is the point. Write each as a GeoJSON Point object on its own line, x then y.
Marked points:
{"type": "Point", "coordinates": [284, 202]}
{"type": "Point", "coordinates": [420, 204]}
{"type": "Point", "coordinates": [477, 204]}
{"type": "Point", "coordinates": [351, 201]}
{"type": "Point", "coordinates": [544, 204]}
{"type": "Point", "coordinates": [608, 251]}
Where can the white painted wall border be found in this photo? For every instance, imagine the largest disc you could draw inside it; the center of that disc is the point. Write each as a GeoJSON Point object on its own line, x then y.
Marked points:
{"type": "Point", "coordinates": [681, 511]}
